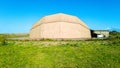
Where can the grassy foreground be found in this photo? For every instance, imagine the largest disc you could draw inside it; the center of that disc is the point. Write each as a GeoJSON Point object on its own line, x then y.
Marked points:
{"type": "Point", "coordinates": [60, 54]}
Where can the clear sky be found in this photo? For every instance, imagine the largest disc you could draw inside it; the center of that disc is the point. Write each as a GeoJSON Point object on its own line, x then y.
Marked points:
{"type": "Point", "coordinates": [17, 16]}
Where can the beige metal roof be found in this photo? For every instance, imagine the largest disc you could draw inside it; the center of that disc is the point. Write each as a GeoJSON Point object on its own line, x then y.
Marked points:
{"type": "Point", "coordinates": [60, 17]}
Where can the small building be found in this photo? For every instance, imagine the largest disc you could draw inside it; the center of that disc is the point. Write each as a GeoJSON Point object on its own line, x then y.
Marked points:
{"type": "Point", "coordinates": [100, 33]}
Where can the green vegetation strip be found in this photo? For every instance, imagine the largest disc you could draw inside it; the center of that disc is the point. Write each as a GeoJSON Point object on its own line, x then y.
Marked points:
{"type": "Point", "coordinates": [79, 54]}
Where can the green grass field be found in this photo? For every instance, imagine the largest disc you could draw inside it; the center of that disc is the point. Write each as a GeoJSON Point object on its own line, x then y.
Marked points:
{"type": "Point", "coordinates": [61, 54]}
{"type": "Point", "coordinates": [73, 54]}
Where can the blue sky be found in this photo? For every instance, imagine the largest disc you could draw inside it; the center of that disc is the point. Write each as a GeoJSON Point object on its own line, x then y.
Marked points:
{"type": "Point", "coordinates": [17, 16]}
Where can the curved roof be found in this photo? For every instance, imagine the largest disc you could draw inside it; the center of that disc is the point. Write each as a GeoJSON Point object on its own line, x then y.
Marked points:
{"type": "Point", "coordinates": [60, 17]}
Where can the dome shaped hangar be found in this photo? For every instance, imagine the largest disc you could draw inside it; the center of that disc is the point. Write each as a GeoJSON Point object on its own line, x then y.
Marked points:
{"type": "Point", "coordinates": [60, 26]}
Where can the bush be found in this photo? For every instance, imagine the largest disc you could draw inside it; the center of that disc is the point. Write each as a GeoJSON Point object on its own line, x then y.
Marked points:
{"type": "Point", "coordinates": [3, 40]}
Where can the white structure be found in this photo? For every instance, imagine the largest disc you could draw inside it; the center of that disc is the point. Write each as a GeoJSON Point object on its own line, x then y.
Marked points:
{"type": "Point", "coordinates": [100, 36]}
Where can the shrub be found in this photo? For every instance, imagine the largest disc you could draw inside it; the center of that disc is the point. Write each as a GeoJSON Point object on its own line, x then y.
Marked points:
{"type": "Point", "coordinates": [3, 40]}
